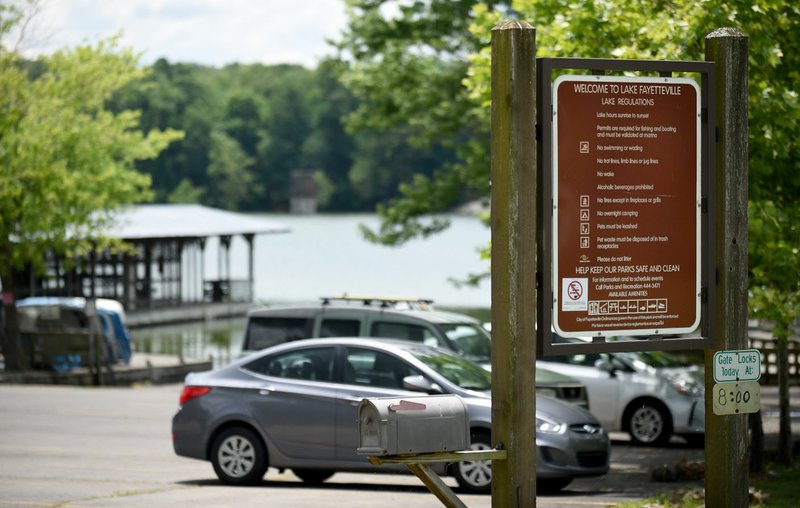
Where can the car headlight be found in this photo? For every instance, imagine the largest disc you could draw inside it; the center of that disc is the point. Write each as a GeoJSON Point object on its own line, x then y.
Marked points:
{"type": "Point", "coordinates": [688, 387]}
{"type": "Point", "coordinates": [549, 426]}
{"type": "Point", "coordinates": [549, 392]}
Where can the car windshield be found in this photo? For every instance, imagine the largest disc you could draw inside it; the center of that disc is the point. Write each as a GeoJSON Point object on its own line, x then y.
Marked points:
{"type": "Point", "coordinates": [471, 341]}
{"type": "Point", "coordinates": [655, 359]}
{"type": "Point", "coordinates": [459, 371]}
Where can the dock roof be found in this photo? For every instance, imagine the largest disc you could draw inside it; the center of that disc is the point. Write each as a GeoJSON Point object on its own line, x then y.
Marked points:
{"type": "Point", "coordinates": [188, 221]}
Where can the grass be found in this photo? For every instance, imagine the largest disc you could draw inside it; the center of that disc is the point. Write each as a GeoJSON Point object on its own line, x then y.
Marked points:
{"type": "Point", "coordinates": [778, 489]}
{"type": "Point", "coordinates": [781, 485]}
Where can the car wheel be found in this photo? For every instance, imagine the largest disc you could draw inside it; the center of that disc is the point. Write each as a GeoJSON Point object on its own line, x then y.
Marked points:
{"type": "Point", "coordinates": [551, 485]}
{"type": "Point", "coordinates": [649, 423]}
{"type": "Point", "coordinates": [313, 476]}
{"type": "Point", "coordinates": [475, 476]}
{"type": "Point", "coordinates": [239, 456]}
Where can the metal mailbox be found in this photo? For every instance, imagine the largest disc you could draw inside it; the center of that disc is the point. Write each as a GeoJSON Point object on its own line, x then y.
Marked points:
{"type": "Point", "coordinates": [427, 424]}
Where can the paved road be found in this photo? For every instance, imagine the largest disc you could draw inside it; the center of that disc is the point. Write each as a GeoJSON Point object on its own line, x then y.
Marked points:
{"type": "Point", "coordinates": [75, 447]}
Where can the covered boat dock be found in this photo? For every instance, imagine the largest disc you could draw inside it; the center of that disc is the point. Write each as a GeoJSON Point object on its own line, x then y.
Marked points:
{"type": "Point", "coordinates": [163, 278]}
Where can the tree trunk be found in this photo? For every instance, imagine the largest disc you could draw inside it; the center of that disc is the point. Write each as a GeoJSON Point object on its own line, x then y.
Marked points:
{"type": "Point", "coordinates": [12, 344]}
{"type": "Point", "coordinates": [785, 430]}
{"type": "Point", "coordinates": [757, 463]}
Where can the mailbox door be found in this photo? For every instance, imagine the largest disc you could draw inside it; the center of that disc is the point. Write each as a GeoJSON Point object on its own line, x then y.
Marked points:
{"type": "Point", "coordinates": [368, 374]}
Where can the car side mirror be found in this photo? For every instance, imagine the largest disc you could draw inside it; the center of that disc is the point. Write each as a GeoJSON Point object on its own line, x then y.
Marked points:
{"type": "Point", "coordinates": [606, 366]}
{"type": "Point", "coordinates": [421, 384]}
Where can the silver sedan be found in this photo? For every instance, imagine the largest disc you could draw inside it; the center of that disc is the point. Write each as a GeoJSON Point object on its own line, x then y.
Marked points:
{"type": "Point", "coordinates": [294, 406]}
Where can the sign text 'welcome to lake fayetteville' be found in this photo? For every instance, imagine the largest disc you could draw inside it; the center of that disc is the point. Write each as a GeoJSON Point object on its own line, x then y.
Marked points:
{"type": "Point", "coordinates": [626, 211]}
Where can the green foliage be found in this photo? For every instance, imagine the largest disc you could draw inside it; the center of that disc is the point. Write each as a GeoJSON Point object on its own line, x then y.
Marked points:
{"type": "Point", "coordinates": [280, 149]}
{"type": "Point", "coordinates": [780, 487]}
{"type": "Point", "coordinates": [283, 118]}
{"type": "Point", "coordinates": [174, 96]}
{"type": "Point", "coordinates": [66, 161]}
{"type": "Point", "coordinates": [777, 490]}
{"type": "Point", "coordinates": [10, 16]}
{"type": "Point", "coordinates": [400, 68]}
{"type": "Point", "coordinates": [329, 147]}
{"type": "Point", "coordinates": [774, 255]}
{"type": "Point", "coordinates": [185, 193]}
{"type": "Point", "coordinates": [407, 63]}
{"type": "Point", "coordinates": [229, 172]}
{"type": "Point", "coordinates": [680, 498]}
{"type": "Point", "coordinates": [324, 187]}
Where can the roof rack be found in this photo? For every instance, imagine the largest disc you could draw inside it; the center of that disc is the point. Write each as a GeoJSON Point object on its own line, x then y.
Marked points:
{"type": "Point", "coordinates": [384, 302]}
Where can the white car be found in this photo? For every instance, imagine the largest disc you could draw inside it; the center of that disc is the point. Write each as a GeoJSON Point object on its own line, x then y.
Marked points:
{"type": "Point", "coordinates": [650, 395]}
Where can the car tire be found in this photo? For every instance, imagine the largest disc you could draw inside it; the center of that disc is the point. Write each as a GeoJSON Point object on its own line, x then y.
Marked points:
{"type": "Point", "coordinates": [649, 423]}
{"type": "Point", "coordinates": [475, 476]}
{"type": "Point", "coordinates": [239, 456]}
{"type": "Point", "coordinates": [551, 485]}
{"type": "Point", "coordinates": [313, 476]}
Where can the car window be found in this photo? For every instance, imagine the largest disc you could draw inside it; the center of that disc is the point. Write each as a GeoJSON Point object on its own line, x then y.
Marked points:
{"type": "Point", "coordinates": [339, 328]}
{"type": "Point", "coordinates": [584, 360]}
{"type": "Point", "coordinates": [314, 364]}
{"type": "Point", "coordinates": [375, 368]}
{"type": "Point", "coordinates": [471, 341]}
{"type": "Point", "coordinates": [263, 332]}
{"type": "Point", "coordinates": [589, 360]}
{"type": "Point", "coordinates": [618, 362]}
{"type": "Point", "coordinates": [455, 369]}
{"type": "Point", "coordinates": [404, 331]}
{"type": "Point", "coordinates": [655, 359]}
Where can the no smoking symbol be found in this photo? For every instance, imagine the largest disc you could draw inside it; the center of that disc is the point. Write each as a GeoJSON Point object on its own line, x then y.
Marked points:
{"type": "Point", "coordinates": [575, 290]}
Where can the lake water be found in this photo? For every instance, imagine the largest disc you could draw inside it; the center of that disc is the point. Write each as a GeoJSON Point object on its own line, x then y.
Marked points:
{"type": "Point", "coordinates": [326, 255]}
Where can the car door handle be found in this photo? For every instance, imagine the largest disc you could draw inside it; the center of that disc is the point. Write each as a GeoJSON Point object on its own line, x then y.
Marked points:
{"type": "Point", "coordinates": [266, 390]}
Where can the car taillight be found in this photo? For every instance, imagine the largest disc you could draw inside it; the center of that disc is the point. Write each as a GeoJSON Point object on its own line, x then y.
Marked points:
{"type": "Point", "coordinates": [192, 392]}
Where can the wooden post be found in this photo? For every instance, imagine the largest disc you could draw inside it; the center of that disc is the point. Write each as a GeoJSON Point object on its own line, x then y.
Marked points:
{"type": "Point", "coordinates": [726, 436]}
{"type": "Point", "coordinates": [513, 263]}
{"type": "Point", "coordinates": [95, 341]}
{"type": "Point", "coordinates": [250, 237]}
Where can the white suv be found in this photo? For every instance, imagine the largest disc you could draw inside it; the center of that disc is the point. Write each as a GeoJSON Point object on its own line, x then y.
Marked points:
{"type": "Point", "coordinates": [650, 395]}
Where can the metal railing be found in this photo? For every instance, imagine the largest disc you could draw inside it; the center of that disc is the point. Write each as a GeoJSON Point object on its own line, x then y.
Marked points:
{"type": "Point", "coordinates": [227, 290]}
{"type": "Point", "coordinates": [764, 342]}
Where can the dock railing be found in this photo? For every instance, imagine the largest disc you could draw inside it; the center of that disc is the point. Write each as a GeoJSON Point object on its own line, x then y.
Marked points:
{"type": "Point", "coordinates": [762, 340]}
{"type": "Point", "coordinates": [227, 290]}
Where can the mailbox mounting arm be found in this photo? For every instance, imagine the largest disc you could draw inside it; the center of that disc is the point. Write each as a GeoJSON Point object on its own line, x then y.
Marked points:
{"type": "Point", "coordinates": [417, 463]}
{"type": "Point", "coordinates": [436, 485]}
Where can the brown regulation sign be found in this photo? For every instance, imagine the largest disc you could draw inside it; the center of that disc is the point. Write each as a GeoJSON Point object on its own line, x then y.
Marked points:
{"type": "Point", "coordinates": [626, 210]}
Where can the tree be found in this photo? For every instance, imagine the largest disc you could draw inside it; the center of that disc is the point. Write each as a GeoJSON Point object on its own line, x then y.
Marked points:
{"type": "Point", "coordinates": [406, 64]}
{"type": "Point", "coordinates": [388, 48]}
{"type": "Point", "coordinates": [185, 193]}
{"type": "Point", "coordinates": [280, 150]}
{"type": "Point", "coordinates": [66, 162]}
{"type": "Point", "coordinates": [231, 180]}
{"type": "Point", "coordinates": [176, 96]}
{"type": "Point", "coordinates": [329, 147]}
{"type": "Point", "coordinates": [380, 40]}
{"type": "Point", "coordinates": [774, 252]}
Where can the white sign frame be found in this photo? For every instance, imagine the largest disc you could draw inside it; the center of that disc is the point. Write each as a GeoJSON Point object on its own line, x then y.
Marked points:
{"type": "Point", "coordinates": [698, 216]}
{"type": "Point", "coordinates": [721, 375]}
